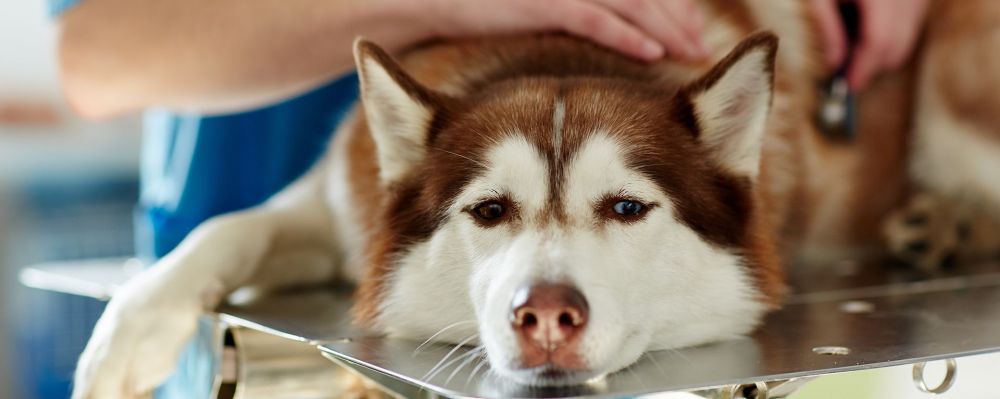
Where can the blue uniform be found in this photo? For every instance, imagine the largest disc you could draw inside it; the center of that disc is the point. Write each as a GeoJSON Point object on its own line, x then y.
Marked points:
{"type": "Point", "coordinates": [195, 167]}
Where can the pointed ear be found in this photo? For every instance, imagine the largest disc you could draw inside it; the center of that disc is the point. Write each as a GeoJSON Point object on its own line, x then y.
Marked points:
{"type": "Point", "coordinates": [730, 103]}
{"type": "Point", "coordinates": [398, 110]}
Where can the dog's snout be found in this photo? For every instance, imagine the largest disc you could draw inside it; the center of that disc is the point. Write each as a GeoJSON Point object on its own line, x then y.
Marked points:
{"type": "Point", "coordinates": [548, 316]}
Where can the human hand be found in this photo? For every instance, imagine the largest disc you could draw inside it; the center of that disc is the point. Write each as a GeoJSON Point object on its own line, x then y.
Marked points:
{"type": "Point", "coordinates": [644, 29]}
{"type": "Point", "coordinates": [888, 34]}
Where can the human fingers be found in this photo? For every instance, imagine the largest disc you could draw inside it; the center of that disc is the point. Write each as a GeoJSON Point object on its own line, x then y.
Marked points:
{"type": "Point", "coordinates": [596, 22]}
{"type": "Point", "coordinates": [891, 29]}
{"type": "Point", "coordinates": [908, 27]}
{"type": "Point", "coordinates": [688, 17]}
{"type": "Point", "coordinates": [831, 30]}
{"type": "Point", "coordinates": [660, 23]}
{"type": "Point", "coordinates": [875, 40]}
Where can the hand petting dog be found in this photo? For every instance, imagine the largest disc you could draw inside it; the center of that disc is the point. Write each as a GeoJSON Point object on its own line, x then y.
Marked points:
{"type": "Point", "coordinates": [645, 29]}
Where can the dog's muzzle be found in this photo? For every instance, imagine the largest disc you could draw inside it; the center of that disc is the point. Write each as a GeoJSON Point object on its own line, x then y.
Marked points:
{"type": "Point", "coordinates": [549, 320]}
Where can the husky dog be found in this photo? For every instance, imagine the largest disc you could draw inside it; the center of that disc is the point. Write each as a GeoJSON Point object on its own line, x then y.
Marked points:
{"type": "Point", "coordinates": [576, 208]}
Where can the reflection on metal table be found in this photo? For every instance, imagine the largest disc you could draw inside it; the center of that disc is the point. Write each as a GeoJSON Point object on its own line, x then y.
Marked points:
{"type": "Point", "coordinates": [840, 318]}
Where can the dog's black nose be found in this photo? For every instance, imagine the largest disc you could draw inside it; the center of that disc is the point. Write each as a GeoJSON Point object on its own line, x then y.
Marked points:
{"type": "Point", "coordinates": [548, 315]}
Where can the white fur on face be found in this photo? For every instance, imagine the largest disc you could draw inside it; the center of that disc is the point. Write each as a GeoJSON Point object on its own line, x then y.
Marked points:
{"type": "Point", "coordinates": [435, 275]}
{"type": "Point", "coordinates": [652, 284]}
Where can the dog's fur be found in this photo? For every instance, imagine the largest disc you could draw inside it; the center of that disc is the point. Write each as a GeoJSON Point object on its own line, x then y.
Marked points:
{"type": "Point", "coordinates": [725, 156]}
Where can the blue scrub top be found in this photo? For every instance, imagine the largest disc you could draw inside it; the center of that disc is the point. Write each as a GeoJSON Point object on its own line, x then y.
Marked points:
{"type": "Point", "coordinates": [196, 167]}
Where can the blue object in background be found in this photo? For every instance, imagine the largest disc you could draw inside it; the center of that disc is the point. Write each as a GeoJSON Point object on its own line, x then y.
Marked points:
{"type": "Point", "coordinates": [57, 7]}
{"type": "Point", "coordinates": [59, 220]}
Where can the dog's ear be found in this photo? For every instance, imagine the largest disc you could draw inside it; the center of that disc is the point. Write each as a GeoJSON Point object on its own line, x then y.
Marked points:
{"type": "Point", "coordinates": [398, 110]}
{"type": "Point", "coordinates": [730, 103]}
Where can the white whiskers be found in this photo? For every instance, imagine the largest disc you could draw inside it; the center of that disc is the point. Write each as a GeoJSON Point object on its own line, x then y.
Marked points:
{"type": "Point", "coordinates": [471, 356]}
{"type": "Point", "coordinates": [446, 328]}
{"type": "Point", "coordinates": [441, 364]}
{"type": "Point", "coordinates": [484, 360]}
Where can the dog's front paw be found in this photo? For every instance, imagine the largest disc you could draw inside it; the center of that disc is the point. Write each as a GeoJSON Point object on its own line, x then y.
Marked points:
{"type": "Point", "coordinates": [928, 233]}
{"type": "Point", "coordinates": [136, 342]}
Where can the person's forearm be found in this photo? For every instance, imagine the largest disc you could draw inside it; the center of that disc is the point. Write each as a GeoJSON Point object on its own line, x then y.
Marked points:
{"type": "Point", "coordinates": [214, 56]}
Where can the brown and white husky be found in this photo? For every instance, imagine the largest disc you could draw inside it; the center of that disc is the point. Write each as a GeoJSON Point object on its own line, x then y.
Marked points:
{"type": "Point", "coordinates": [575, 208]}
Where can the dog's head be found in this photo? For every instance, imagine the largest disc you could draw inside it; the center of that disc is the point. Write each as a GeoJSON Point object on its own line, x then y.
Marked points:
{"type": "Point", "coordinates": [570, 224]}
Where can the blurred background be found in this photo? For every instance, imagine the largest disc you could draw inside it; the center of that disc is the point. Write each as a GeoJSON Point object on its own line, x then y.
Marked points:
{"type": "Point", "coordinates": [67, 191]}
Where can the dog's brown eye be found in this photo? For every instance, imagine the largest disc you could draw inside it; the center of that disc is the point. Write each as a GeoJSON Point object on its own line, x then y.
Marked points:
{"type": "Point", "coordinates": [628, 208]}
{"type": "Point", "coordinates": [489, 211]}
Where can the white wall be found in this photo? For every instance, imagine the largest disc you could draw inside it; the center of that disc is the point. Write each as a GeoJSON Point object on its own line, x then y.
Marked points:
{"type": "Point", "coordinates": [27, 56]}
{"type": "Point", "coordinates": [28, 74]}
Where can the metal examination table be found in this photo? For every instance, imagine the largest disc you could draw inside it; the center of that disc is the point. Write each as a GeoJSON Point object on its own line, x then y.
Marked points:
{"type": "Point", "coordinates": [840, 318]}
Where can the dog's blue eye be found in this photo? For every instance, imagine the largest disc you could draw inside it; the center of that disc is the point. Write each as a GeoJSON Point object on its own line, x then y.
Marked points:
{"type": "Point", "coordinates": [628, 208]}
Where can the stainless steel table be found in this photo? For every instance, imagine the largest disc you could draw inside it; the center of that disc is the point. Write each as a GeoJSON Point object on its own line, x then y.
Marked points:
{"type": "Point", "coordinates": [842, 317]}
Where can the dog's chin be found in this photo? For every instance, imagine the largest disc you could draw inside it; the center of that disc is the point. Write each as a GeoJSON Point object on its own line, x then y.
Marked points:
{"type": "Point", "coordinates": [551, 376]}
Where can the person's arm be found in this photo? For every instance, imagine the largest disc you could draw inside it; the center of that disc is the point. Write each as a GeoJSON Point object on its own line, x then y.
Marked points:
{"type": "Point", "coordinates": [118, 56]}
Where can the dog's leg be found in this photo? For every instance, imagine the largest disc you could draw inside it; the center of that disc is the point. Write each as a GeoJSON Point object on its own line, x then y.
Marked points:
{"type": "Point", "coordinates": [956, 144]}
{"type": "Point", "coordinates": [955, 152]}
{"type": "Point", "coordinates": [137, 340]}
